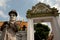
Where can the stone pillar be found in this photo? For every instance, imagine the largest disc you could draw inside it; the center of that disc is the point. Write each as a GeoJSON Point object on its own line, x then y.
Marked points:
{"type": "Point", "coordinates": [55, 29]}
{"type": "Point", "coordinates": [30, 30]}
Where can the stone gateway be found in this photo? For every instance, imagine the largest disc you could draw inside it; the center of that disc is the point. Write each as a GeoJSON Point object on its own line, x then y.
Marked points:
{"type": "Point", "coordinates": [42, 13]}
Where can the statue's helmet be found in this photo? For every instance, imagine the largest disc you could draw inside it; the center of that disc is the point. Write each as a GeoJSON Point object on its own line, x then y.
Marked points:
{"type": "Point", "coordinates": [13, 12]}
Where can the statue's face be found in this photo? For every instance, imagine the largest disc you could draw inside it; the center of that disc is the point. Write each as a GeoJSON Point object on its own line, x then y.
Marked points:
{"type": "Point", "coordinates": [12, 17]}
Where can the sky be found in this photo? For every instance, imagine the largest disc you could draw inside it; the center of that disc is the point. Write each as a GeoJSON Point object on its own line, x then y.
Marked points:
{"type": "Point", "coordinates": [21, 6]}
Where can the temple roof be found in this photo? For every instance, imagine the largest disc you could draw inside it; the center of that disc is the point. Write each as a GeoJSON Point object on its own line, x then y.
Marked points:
{"type": "Point", "coordinates": [20, 23]}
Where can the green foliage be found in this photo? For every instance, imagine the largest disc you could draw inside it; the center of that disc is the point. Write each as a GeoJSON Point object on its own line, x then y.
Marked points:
{"type": "Point", "coordinates": [42, 31]}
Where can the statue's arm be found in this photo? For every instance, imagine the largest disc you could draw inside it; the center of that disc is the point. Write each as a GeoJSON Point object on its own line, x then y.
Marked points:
{"type": "Point", "coordinates": [3, 26]}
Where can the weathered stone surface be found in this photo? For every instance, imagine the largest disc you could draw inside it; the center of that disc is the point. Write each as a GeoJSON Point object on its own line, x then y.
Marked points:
{"type": "Point", "coordinates": [0, 35]}
{"type": "Point", "coordinates": [21, 35]}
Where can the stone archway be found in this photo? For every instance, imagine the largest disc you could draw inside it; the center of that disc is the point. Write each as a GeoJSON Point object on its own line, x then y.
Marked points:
{"type": "Point", "coordinates": [42, 13]}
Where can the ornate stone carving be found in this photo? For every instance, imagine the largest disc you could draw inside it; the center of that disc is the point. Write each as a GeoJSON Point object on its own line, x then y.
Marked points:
{"type": "Point", "coordinates": [41, 10]}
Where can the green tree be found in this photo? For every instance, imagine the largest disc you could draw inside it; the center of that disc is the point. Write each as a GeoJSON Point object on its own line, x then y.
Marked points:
{"type": "Point", "coordinates": [41, 31]}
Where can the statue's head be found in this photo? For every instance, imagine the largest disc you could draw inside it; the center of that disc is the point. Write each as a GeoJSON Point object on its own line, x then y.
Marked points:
{"type": "Point", "coordinates": [13, 15]}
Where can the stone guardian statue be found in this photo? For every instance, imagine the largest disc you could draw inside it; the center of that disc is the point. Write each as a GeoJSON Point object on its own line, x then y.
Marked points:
{"type": "Point", "coordinates": [9, 28]}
